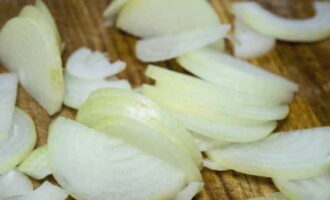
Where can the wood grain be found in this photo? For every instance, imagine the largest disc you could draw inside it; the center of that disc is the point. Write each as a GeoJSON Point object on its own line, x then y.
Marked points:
{"type": "Point", "coordinates": [81, 24]}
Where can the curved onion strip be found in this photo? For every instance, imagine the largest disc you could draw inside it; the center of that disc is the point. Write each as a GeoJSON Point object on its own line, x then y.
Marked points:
{"type": "Point", "coordinates": [14, 183]}
{"type": "Point", "coordinates": [27, 48]}
{"type": "Point", "coordinates": [117, 170]}
{"type": "Point", "coordinates": [249, 43]}
{"type": "Point", "coordinates": [282, 155]}
{"type": "Point", "coordinates": [190, 191]}
{"type": "Point", "coordinates": [239, 75]}
{"type": "Point", "coordinates": [213, 165]}
{"type": "Point", "coordinates": [194, 87]}
{"type": "Point", "coordinates": [8, 92]}
{"type": "Point", "coordinates": [86, 64]}
{"type": "Point", "coordinates": [206, 143]}
{"type": "Point", "coordinates": [77, 90]}
{"type": "Point", "coordinates": [45, 191]}
{"type": "Point", "coordinates": [306, 30]}
{"type": "Point", "coordinates": [22, 138]}
{"type": "Point", "coordinates": [36, 164]}
{"type": "Point", "coordinates": [305, 189]}
{"type": "Point", "coordinates": [112, 11]}
{"type": "Point", "coordinates": [166, 47]}
{"type": "Point", "coordinates": [273, 196]}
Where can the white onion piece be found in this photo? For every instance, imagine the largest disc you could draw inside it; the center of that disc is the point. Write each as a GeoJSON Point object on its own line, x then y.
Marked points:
{"type": "Point", "coordinates": [45, 191]}
{"type": "Point", "coordinates": [239, 75]}
{"type": "Point", "coordinates": [8, 92]}
{"type": "Point", "coordinates": [273, 196]}
{"type": "Point", "coordinates": [190, 191]}
{"type": "Point", "coordinates": [282, 155]}
{"type": "Point", "coordinates": [14, 183]}
{"type": "Point", "coordinates": [93, 165]}
{"type": "Point", "coordinates": [249, 43]}
{"type": "Point", "coordinates": [206, 143]}
{"type": "Point", "coordinates": [166, 47]}
{"type": "Point", "coordinates": [77, 90]}
{"type": "Point", "coordinates": [213, 165]}
{"type": "Point", "coordinates": [27, 48]}
{"type": "Point", "coordinates": [306, 189]}
{"type": "Point", "coordinates": [149, 18]}
{"type": "Point", "coordinates": [86, 64]}
{"type": "Point", "coordinates": [22, 138]}
{"type": "Point", "coordinates": [36, 164]}
{"type": "Point", "coordinates": [295, 30]}
{"type": "Point", "coordinates": [112, 11]}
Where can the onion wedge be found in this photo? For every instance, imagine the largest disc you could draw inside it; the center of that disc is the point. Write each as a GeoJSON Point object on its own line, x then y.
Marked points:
{"type": "Point", "coordinates": [249, 43]}
{"type": "Point", "coordinates": [166, 47]}
{"type": "Point", "coordinates": [306, 189]}
{"type": "Point", "coordinates": [14, 183]}
{"type": "Point", "coordinates": [273, 196]}
{"type": "Point", "coordinates": [77, 90]}
{"type": "Point", "coordinates": [112, 11]}
{"type": "Point", "coordinates": [113, 166]}
{"type": "Point", "coordinates": [22, 138]}
{"type": "Point", "coordinates": [36, 164]}
{"type": "Point", "coordinates": [283, 155]}
{"type": "Point", "coordinates": [295, 30]}
{"type": "Point", "coordinates": [8, 92]}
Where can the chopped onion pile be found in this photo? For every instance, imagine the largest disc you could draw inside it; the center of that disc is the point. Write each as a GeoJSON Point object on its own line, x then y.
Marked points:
{"type": "Point", "coordinates": [13, 183]}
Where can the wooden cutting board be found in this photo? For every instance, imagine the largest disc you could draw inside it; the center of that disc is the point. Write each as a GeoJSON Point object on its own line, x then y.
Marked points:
{"type": "Point", "coordinates": [81, 24]}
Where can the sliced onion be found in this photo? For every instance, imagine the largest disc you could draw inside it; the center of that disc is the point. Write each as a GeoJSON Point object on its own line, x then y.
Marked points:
{"type": "Point", "coordinates": [22, 138]}
{"type": "Point", "coordinates": [250, 43]}
{"type": "Point", "coordinates": [206, 143]}
{"type": "Point", "coordinates": [293, 155]}
{"type": "Point", "coordinates": [28, 49]}
{"type": "Point", "coordinates": [213, 165]}
{"type": "Point", "coordinates": [306, 189]}
{"type": "Point", "coordinates": [295, 30]}
{"type": "Point", "coordinates": [77, 90]}
{"type": "Point", "coordinates": [85, 64]}
{"type": "Point", "coordinates": [8, 92]}
{"type": "Point", "coordinates": [112, 11]}
{"type": "Point", "coordinates": [190, 191]}
{"type": "Point", "coordinates": [149, 18]}
{"type": "Point", "coordinates": [45, 191]}
{"type": "Point", "coordinates": [14, 183]}
{"type": "Point", "coordinates": [273, 196]}
{"type": "Point", "coordinates": [166, 47]}
{"type": "Point", "coordinates": [93, 165]}
{"type": "Point", "coordinates": [230, 72]}
{"type": "Point", "coordinates": [36, 164]}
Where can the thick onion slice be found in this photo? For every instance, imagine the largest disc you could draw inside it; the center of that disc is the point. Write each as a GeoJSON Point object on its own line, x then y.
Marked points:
{"type": "Point", "coordinates": [112, 11]}
{"type": "Point", "coordinates": [190, 191]}
{"type": "Point", "coordinates": [22, 138]}
{"type": "Point", "coordinates": [166, 47]}
{"type": "Point", "coordinates": [213, 165]}
{"type": "Point", "coordinates": [77, 90]}
{"type": "Point", "coordinates": [36, 164]}
{"type": "Point", "coordinates": [249, 43]}
{"type": "Point", "coordinates": [306, 189]}
{"type": "Point", "coordinates": [27, 48]}
{"type": "Point", "coordinates": [8, 92]}
{"type": "Point", "coordinates": [206, 143]}
{"type": "Point", "coordinates": [80, 156]}
{"type": "Point", "coordinates": [239, 75]}
{"type": "Point", "coordinates": [295, 30]}
{"type": "Point", "coordinates": [14, 183]}
{"type": "Point", "coordinates": [86, 64]}
{"type": "Point", "coordinates": [273, 196]}
{"type": "Point", "coordinates": [149, 18]}
{"type": "Point", "coordinates": [45, 191]}
{"type": "Point", "coordinates": [283, 155]}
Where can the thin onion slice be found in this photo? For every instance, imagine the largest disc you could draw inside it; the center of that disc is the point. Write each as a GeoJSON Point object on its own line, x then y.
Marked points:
{"type": "Point", "coordinates": [273, 196]}
{"type": "Point", "coordinates": [190, 191]}
{"type": "Point", "coordinates": [306, 189]}
{"type": "Point", "coordinates": [14, 183]}
{"type": "Point", "coordinates": [80, 156]}
{"type": "Point", "coordinates": [112, 11]}
{"type": "Point", "coordinates": [8, 92]}
{"type": "Point", "coordinates": [249, 43]}
{"type": "Point", "coordinates": [36, 164]}
{"type": "Point", "coordinates": [213, 165]}
{"type": "Point", "coordinates": [77, 90]}
{"type": "Point", "coordinates": [295, 30]}
{"type": "Point", "coordinates": [206, 143]}
{"type": "Point", "coordinates": [283, 155]}
{"type": "Point", "coordinates": [86, 64]}
{"type": "Point", "coordinates": [22, 138]}
{"type": "Point", "coordinates": [166, 47]}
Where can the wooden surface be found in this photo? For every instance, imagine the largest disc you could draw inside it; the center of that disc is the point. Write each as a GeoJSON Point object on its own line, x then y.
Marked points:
{"type": "Point", "coordinates": [81, 24]}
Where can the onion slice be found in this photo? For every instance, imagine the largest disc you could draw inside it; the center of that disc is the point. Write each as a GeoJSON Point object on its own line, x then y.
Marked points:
{"type": "Point", "coordinates": [306, 189]}
{"type": "Point", "coordinates": [213, 165]}
{"type": "Point", "coordinates": [166, 47]}
{"type": "Point", "coordinates": [273, 196]}
{"type": "Point", "coordinates": [22, 138]}
{"type": "Point", "coordinates": [117, 170]}
{"type": "Point", "coordinates": [36, 164]}
{"type": "Point", "coordinates": [206, 143]}
{"type": "Point", "coordinates": [295, 30]}
{"type": "Point", "coordinates": [8, 92]}
{"type": "Point", "coordinates": [14, 183]}
{"type": "Point", "coordinates": [249, 43]}
{"type": "Point", "coordinates": [190, 191]}
{"type": "Point", "coordinates": [283, 155]}
{"type": "Point", "coordinates": [112, 11]}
